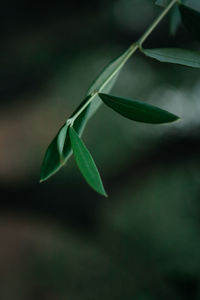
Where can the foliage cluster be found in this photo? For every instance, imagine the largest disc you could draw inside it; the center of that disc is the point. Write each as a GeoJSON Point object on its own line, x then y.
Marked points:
{"type": "Point", "coordinates": [68, 141]}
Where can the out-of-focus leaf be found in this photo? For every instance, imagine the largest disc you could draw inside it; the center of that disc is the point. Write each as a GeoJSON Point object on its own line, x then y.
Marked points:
{"type": "Point", "coordinates": [175, 20]}
{"type": "Point", "coordinates": [86, 163]}
{"type": "Point", "coordinates": [137, 110]}
{"type": "Point", "coordinates": [184, 57]}
{"type": "Point", "coordinates": [191, 20]}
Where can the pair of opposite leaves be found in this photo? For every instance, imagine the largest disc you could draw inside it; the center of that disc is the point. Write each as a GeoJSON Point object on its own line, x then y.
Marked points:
{"type": "Point", "coordinates": [60, 149]}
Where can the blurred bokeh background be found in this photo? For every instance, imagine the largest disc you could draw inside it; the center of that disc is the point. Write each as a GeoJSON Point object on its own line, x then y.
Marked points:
{"type": "Point", "coordinates": [59, 239]}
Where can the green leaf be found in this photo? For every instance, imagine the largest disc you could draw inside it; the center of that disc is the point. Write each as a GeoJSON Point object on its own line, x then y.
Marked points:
{"type": "Point", "coordinates": [53, 159]}
{"type": "Point", "coordinates": [175, 20]}
{"type": "Point", "coordinates": [137, 110]}
{"type": "Point", "coordinates": [184, 57]}
{"type": "Point", "coordinates": [86, 163]}
{"type": "Point", "coordinates": [175, 17]}
{"type": "Point", "coordinates": [191, 20]}
{"type": "Point", "coordinates": [61, 139]}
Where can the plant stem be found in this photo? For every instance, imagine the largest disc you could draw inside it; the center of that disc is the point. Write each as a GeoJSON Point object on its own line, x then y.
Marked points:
{"type": "Point", "coordinates": [156, 22]}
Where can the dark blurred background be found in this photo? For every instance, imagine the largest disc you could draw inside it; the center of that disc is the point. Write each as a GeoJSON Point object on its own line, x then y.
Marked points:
{"type": "Point", "coordinates": [59, 239]}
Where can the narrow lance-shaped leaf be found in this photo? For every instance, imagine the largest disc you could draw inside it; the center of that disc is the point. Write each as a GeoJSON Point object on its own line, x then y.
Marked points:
{"type": "Point", "coordinates": [137, 110]}
{"type": "Point", "coordinates": [184, 57]}
{"type": "Point", "coordinates": [60, 150]}
{"type": "Point", "coordinates": [86, 163]}
{"type": "Point", "coordinates": [191, 20]}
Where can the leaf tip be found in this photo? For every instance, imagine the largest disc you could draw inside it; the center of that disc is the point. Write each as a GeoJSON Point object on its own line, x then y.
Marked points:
{"type": "Point", "coordinates": [176, 118]}
{"type": "Point", "coordinates": [42, 179]}
{"type": "Point", "coordinates": [102, 191]}
{"type": "Point", "coordinates": [171, 118]}
{"type": "Point", "coordinates": [104, 194]}
{"type": "Point", "coordinates": [44, 176]}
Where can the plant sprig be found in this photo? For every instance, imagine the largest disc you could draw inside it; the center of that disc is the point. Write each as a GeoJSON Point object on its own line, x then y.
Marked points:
{"type": "Point", "coordinates": [67, 140]}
